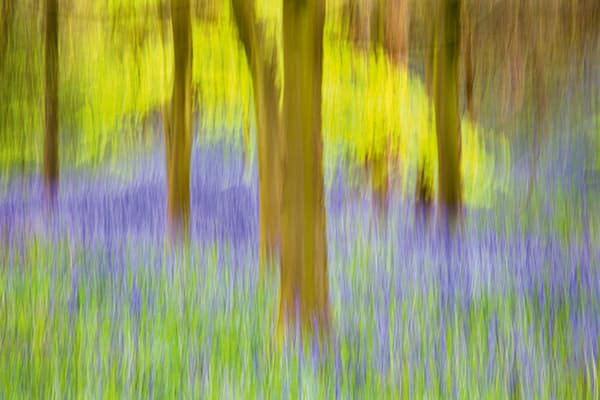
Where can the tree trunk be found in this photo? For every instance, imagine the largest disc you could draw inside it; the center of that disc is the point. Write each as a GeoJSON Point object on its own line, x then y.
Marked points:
{"type": "Point", "coordinates": [304, 286]}
{"type": "Point", "coordinates": [397, 26]}
{"type": "Point", "coordinates": [393, 28]}
{"type": "Point", "coordinates": [447, 119]}
{"type": "Point", "coordinates": [263, 69]}
{"type": "Point", "coordinates": [424, 189]}
{"type": "Point", "coordinates": [514, 65]}
{"type": "Point", "coordinates": [360, 23]}
{"type": "Point", "coordinates": [467, 44]}
{"type": "Point", "coordinates": [50, 167]}
{"type": "Point", "coordinates": [266, 99]}
{"type": "Point", "coordinates": [424, 184]}
{"type": "Point", "coordinates": [538, 79]}
{"type": "Point", "coordinates": [178, 131]}
{"type": "Point", "coordinates": [377, 167]}
{"type": "Point", "coordinates": [6, 14]}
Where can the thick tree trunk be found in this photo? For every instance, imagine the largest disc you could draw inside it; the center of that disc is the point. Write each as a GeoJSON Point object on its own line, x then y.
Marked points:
{"type": "Point", "coordinates": [266, 99]}
{"type": "Point", "coordinates": [447, 40]}
{"type": "Point", "coordinates": [178, 131]}
{"type": "Point", "coordinates": [263, 69]}
{"type": "Point", "coordinates": [304, 286]}
{"type": "Point", "coordinates": [50, 167]}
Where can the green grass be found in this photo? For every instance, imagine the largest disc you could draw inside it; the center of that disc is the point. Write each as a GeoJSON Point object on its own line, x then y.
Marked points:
{"type": "Point", "coordinates": [209, 330]}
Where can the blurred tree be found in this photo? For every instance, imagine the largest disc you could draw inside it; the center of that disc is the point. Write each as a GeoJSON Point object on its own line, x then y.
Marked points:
{"type": "Point", "coordinates": [304, 295]}
{"type": "Point", "coordinates": [6, 13]}
{"type": "Point", "coordinates": [261, 55]}
{"type": "Point", "coordinates": [208, 10]}
{"type": "Point", "coordinates": [50, 166]}
{"type": "Point", "coordinates": [513, 63]}
{"type": "Point", "coordinates": [424, 183]}
{"type": "Point", "coordinates": [424, 187]}
{"type": "Point", "coordinates": [375, 24]}
{"type": "Point", "coordinates": [538, 79]}
{"type": "Point", "coordinates": [396, 30]}
{"type": "Point", "coordinates": [467, 51]}
{"type": "Point", "coordinates": [178, 123]}
{"type": "Point", "coordinates": [445, 95]}
{"type": "Point", "coordinates": [392, 33]}
{"type": "Point", "coordinates": [358, 13]}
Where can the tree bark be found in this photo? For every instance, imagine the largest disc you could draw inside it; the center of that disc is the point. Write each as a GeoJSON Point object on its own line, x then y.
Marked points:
{"type": "Point", "coordinates": [304, 295]}
{"type": "Point", "coordinates": [469, 70]}
{"type": "Point", "coordinates": [263, 69]}
{"type": "Point", "coordinates": [397, 26]}
{"type": "Point", "coordinates": [6, 14]}
{"type": "Point", "coordinates": [178, 132]}
{"type": "Point", "coordinates": [424, 189]}
{"type": "Point", "coordinates": [360, 23]}
{"type": "Point", "coordinates": [378, 168]}
{"type": "Point", "coordinates": [424, 184]}
{"type": "Point", "coordinates": [447, 39]}
{"type": "Point", "coordinates": [51, 162]}
{"type": "Point", "coordinates": [514, 65]}
{"type": "Point", "coordinates": [393, 33]}
{"type": "Point", "coordinates": [538, 78]}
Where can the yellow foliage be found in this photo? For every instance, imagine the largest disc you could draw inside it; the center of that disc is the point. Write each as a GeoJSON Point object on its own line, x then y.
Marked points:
{"type": "Point", "coordinates": [370, 107]}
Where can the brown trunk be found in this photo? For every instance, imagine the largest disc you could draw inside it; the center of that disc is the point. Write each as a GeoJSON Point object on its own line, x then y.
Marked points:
{"type": "Point", "coordinates": [378, 168]}
{"type": "Point", "coordinates": [447, 39]}
{"type": "Point", "coordinates": [424, 189]}
{"type": "Point", "coordinates": [263, 69]}
{"type": "Point", "coordinates": [424, 184]}
{"type": "Point", "coordinates": [377, 19]}
{"type": "Point", "coordinates": [467, 43]}
{"type": "Point", "coordinates": [178, 132]}
{"type": "Point", "coordinates": [304, 286]}
{"type": "Point", "coordinates": [6, 14]}
{"type": "Point", "coordinates": [50, 170]}
{"type": "Point", "coordinates": [394, 21]}
{"type": "Point", "coordinates": [360, 23]}
{"type": "Point", "coordinates": [514, 66]}
{"type": "Point", "coordinates": [396, 32]}
{"type": "Point", "coordinates": [269, 161]}
{"type": "Point", "coordinates": [539, 99]}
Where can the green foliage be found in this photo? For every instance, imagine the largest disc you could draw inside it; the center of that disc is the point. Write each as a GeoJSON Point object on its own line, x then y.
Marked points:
{"type": "Point", "coordinates": [198, 325]}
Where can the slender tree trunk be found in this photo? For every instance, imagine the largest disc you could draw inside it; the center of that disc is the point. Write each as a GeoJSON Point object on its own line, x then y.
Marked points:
{"type": "Point", "coordinates": [360, 23]}
{"type": "Point", "coordinates": [50, 168]}
{"type": "Point", "coordinates": [447, 40]}
{"type": "Point", "coordinates": [539, 99]}
{"type": "Point", "coordinates": [377, 166]}
{"type": "Point", "coordinates": [513, 70]}
{"type": "Point", "coordinates": [469, 70]}
{"type": "Point", "coordinates": [392, 32]}
{"type": "Point", "coordinates": [304, 286]}
{"type": "Point", "coordinates": [424, 184]}
{"type": "Point", "coordinates": [178, 133]}
{"type": "Point", "coordinates": [6, 13]}
{"type": "Point", "coordinates": [396, 31]}
{"type": "Point", "coordinates": [424, 188]}
{"type": "Point", "coordinates": [263, 69]}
